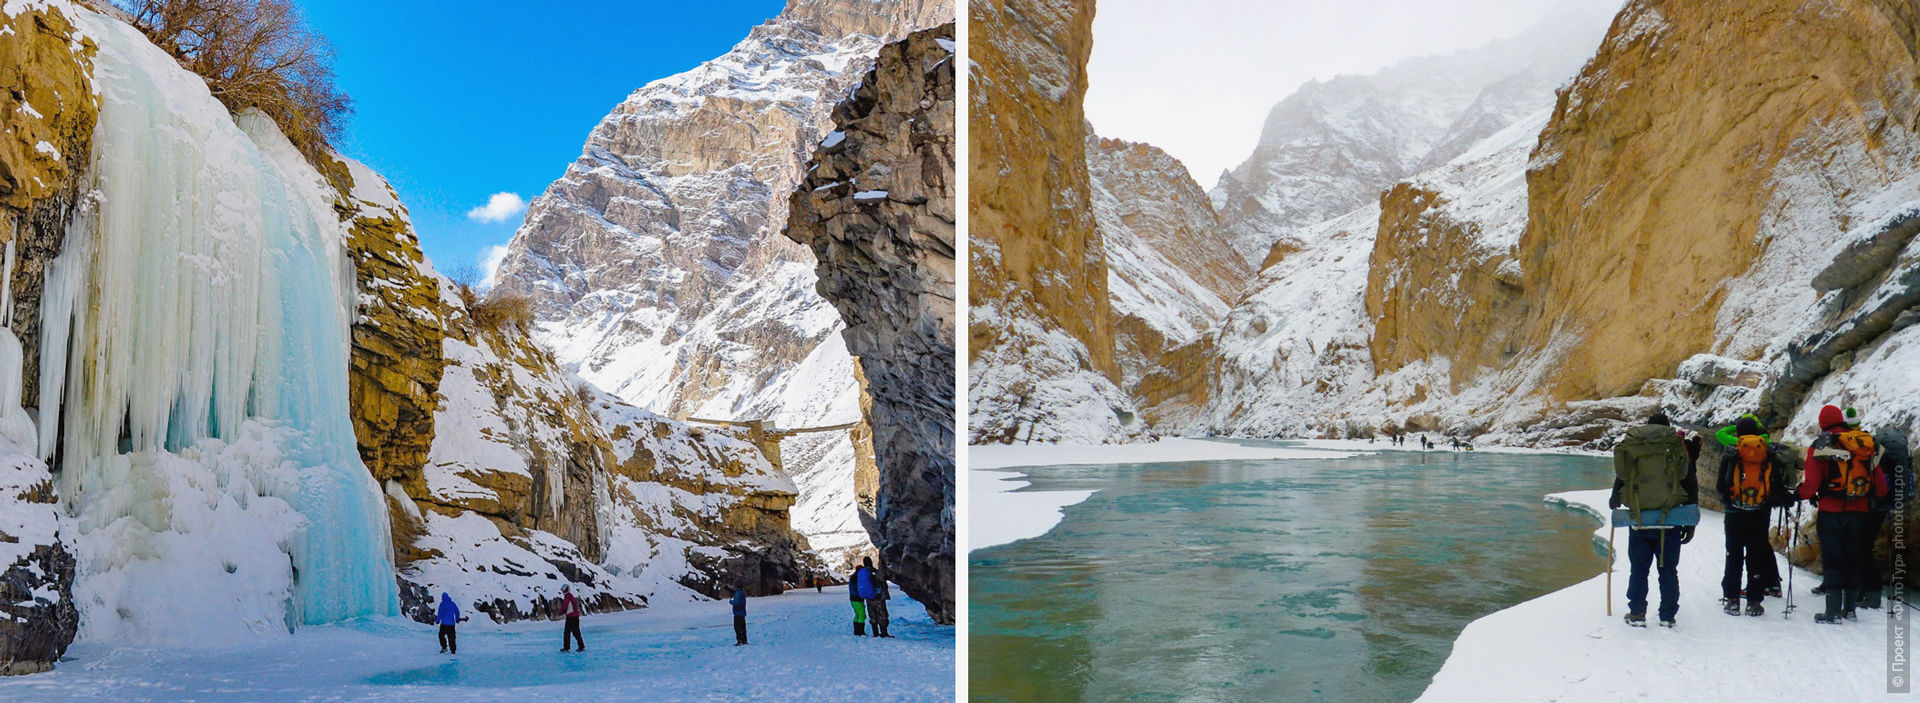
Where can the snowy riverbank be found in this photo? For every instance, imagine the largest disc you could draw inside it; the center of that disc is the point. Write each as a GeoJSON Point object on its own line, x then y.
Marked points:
{"type": "Point", "coordinates": [1564, 647]}
{"type": "Point", "coordinates": [1002, 513]}
{"type": "Point", "coordinates": [802, 648]}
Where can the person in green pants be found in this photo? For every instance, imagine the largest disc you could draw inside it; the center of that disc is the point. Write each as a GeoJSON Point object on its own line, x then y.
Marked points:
{"type": "Point", "coordinates": [859, 604]}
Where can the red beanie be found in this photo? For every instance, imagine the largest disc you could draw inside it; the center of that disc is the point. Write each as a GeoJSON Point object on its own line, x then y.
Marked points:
{"type": "Point", "coordinates": [1830, 416]}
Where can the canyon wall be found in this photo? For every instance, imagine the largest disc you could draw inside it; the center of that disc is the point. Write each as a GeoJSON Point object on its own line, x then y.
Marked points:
{"type": "Point", "coordinates": [877, 209]}
{"type": "Point", "coordinates": [1040, 361]}
{"type": "Point", "coordinates": [1171, 274]}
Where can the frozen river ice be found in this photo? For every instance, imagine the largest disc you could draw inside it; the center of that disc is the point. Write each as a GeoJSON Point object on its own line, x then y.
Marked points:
{"type": "Point", "coordinates": [802, 648]}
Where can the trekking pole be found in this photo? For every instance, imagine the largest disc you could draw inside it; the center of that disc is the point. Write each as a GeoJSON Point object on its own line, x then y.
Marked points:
{"type": "Point", "coordinates": [1610, 528]}
{"type": "Point", "coordinates": [1792, 544]}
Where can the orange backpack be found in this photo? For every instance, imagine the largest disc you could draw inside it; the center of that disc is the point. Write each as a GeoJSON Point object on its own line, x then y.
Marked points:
{"type": "Point", "coordinates": [1752, 474]}
{"type": "Point", "coordinates": [1853, 455]}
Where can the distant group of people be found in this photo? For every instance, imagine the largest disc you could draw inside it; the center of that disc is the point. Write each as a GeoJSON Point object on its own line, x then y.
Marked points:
{"type": "Point", "coordinates": [866, 588]}
{"type": "Point", "coordinates": [1848, 475]}
{"type": "Point", "coordinates": [1399, 440]}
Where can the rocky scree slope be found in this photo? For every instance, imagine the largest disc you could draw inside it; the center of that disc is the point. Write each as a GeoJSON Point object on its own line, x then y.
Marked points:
{"type": "Point", "coordinates": [877, 209]}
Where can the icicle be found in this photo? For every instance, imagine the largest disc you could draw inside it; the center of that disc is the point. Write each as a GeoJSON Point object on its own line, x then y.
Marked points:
{"type": "Point", "coordinates": [195, 342]}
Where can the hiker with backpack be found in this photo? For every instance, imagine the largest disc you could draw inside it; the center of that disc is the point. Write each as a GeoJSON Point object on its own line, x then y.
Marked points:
{"type": "Point", "coordinates": [1654, 481]}
{"type": "Point", "coordinates": [859, 601]}
{"type": "Point", "coordinates": [1752, 482]}
{"type": "Point", "coordinates": [1843, 475]}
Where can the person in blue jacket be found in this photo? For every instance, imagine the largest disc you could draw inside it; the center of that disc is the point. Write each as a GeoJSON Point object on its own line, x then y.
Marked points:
{"type": "Point", "coordinates": [859, 603]}
{"type": "Point", "coordinates": [864, 589]}
{"type": "Point", "coordinates": [739, 615]}
{"type": "Point", "coordinates": [449, 614]}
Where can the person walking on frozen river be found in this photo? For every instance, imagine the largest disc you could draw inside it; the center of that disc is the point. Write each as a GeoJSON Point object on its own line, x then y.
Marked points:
{"type": "Point", "coordinates": [1654, 480]}
{"type": "Point", "coordinates": [1843, 477]}
{"type": "Point", "coordinates": [448, 615]}
{"type": "Point", "coordinates": [1752, 481]}
{"type": "Point", "coordinates": [739, 615]}
{"type": "Point", "coordinates": [570, 607]}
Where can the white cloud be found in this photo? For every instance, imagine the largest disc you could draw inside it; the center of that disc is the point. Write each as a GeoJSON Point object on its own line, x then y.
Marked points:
{"type": "Point", "coordinates": [499, 208]}
{"type": "Point", "coordinates": [490, 263]}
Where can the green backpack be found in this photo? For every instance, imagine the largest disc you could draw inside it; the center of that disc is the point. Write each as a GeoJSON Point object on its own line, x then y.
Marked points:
{"type": "Point", "coordinates": [1650, 463]}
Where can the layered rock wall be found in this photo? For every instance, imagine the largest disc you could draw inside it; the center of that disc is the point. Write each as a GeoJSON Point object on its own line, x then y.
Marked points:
{"type": "Point", "coordinates": [877, 209]}
{"type": "Point", "coordinates": [48, 108]}
{"type": "Point", "coordinates": [1666, 155]}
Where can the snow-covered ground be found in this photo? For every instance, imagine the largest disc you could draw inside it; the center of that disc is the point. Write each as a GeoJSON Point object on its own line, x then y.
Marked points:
{"type": "Point", "coordinates": [1564, 647]}
{"type": "Point", "coordinates": [1002, 513]}
{"type": "Point", "coordinates": [802, 649]}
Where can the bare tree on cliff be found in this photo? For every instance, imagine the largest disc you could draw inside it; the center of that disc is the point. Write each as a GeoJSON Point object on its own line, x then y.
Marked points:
{"type": "Point", "coordinates": [254, 53]}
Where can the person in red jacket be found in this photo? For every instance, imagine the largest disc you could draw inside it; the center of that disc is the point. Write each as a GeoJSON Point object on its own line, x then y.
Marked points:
{"type": "Point", "coordinates": [1842, 525]}
{"type": "Point", "coordinates": [570, 607]}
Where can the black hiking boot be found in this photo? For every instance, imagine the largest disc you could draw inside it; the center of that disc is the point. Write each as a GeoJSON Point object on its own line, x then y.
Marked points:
{"type": "Point", "coordinates": [1773, 591]}
{"type": "Point", "coordinates": [1821, 589]}
{"type": "Point", "coordinates": [1637, 619]}
{"type": "Point", "coordinates": [1870, 599]}
{"type": "Point", "coordinates": [1667, 623]}
{"type": "Point", "coordinates": [1833, 615]}
{"type": "Point", "coordinates": [1731, 605]}
{"type": "Point", "coordinates": [1754, 610]}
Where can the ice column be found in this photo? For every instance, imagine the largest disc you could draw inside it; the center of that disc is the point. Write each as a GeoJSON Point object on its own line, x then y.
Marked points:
{"type": "Point", "coordinates": [205, 288]}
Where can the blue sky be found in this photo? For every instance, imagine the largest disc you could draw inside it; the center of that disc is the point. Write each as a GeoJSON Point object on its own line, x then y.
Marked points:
{"type": "Point", "coordinates": [453, 106]}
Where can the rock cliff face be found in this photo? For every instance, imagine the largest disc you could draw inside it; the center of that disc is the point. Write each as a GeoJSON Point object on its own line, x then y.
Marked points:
{"type": "Point", "coordinates": [656, 261]}
{"type": "Point", "coordinates": [48, 107]}
{"type": "Point", "coordinates": [529, 479]}
{"type": "Point", "coordinates": [1332, 146]}
{"type": "Point", "coordinates": [877, 209]}
{"type": "Point", "coordinates": [397, 330]}
{"type": "Point", "coordinates": [1714, 217]}
{"type": "Point", "coordinates": [1702, 134]}
{"type": "Point", "coordinates": [1040, 339]}
{"type": "Point", "coordinates": [1170, 273]}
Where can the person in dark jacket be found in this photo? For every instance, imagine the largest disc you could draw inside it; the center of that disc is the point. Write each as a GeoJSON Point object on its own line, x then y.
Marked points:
{"type": "Point", "coordinates": [1646, 547]}
{"type": "Point", "coordinates": [570, 607]}
{"type": "Point", "coordinates": [859, 603]}
{"type": "Point", "coordinates": [1845, 555]}
{"type": "Point", "coordinates": [448, 616]}
{"type": "Point", "coordinates": [1748, 517]}
{"type": "Point", "coordinates": [877, 605]}
{"type": "Point", "coordinates": [739, 615]}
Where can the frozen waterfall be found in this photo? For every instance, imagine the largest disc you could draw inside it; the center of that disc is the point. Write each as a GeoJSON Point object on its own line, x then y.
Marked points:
{"type": "Point", "coordinates": [201, 305]}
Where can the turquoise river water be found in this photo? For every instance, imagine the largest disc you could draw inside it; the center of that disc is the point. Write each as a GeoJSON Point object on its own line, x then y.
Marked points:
{"type": "Point", "coordinates": [1272, 580]}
